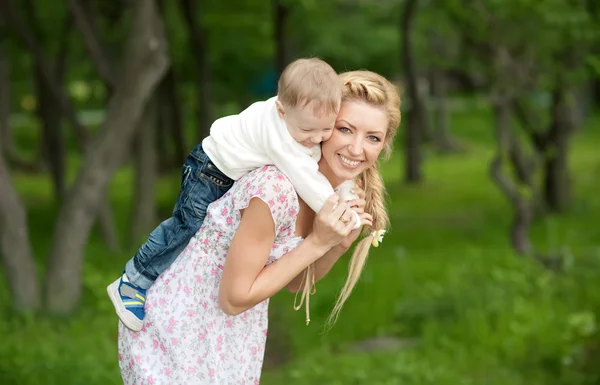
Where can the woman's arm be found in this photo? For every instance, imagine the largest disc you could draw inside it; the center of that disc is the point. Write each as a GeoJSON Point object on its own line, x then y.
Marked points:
{"type": "Point", "coordinates": [246, 281]}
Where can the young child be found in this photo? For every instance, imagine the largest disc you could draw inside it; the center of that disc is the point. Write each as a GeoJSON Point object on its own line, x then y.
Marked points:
{"type": "Point", "coordinates": [285, 130]}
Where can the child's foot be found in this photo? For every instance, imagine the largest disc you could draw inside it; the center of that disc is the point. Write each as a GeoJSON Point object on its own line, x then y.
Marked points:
{"type": "Point", "coordinates": [129, 301]}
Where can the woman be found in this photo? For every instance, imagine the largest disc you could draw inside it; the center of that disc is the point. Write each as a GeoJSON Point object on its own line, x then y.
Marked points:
{"type": "Point", "coordinates": [206, 317]}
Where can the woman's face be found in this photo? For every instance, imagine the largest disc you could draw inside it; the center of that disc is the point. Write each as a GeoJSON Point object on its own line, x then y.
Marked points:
{"type": "Point", "coordinates": [357, 140]}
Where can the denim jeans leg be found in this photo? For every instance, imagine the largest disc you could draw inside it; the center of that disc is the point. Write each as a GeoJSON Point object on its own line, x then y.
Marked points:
{"type": "Point", "coordinates": [202, 184]}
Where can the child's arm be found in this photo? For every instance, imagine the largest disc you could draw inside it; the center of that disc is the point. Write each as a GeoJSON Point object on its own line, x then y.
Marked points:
{"type": "Point", "coordinates": [312, 186]}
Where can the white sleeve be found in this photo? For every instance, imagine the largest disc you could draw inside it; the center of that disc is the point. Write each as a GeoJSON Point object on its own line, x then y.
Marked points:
{"type": "Point", "coordinates": [303, 171]}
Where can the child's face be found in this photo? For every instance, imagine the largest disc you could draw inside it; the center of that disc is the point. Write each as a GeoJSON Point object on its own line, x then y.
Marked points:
{"type": "Point", "coordinates": [306, 128]}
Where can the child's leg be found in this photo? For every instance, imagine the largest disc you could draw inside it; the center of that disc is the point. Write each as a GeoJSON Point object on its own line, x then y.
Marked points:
{"type": "Point", "coordinates": [164, 244]}
{"type": "Point", "coordinates": [202, 183]}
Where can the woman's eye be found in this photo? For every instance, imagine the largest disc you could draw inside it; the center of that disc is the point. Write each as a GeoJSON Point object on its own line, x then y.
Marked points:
{"type": "Point", "coordinates": [374, 138]}
{"type": "Point", "coordinates": [344, 129]}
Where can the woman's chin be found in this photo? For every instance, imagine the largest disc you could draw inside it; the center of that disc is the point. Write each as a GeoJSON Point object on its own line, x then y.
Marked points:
{"type": "Point", "coordinates": [347, 174]}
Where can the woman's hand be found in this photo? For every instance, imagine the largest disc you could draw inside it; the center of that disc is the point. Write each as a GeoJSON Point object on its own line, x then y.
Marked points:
{"type": "Point", "coordinates": [357, 205]}
{"type": "Point", "coordinates": [332, 224]}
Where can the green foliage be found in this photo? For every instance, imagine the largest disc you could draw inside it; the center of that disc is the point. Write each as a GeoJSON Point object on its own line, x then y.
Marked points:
{"type": "Point", "coordinates": [552, 45]}
{"type": "Point", "coordinates": [348, 35]}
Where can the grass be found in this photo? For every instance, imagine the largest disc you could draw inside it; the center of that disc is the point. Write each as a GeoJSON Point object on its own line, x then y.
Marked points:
{"type": "Point", "coordinates": [445, 286]}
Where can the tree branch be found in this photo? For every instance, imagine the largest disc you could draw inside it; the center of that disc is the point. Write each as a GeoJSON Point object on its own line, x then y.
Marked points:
{"type": "Point", "coordinates": [88, 29]}
{"type": "Point", "coordinates": [32, 44]}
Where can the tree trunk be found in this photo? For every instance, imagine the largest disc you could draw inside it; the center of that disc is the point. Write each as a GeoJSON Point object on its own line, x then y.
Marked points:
{"type": "Point", "coordinates": [596, 92]}
{"type": "Point", "coordinates": [145, 63]}
{"type": "Point", "coordinates": [171, 116]}
{"type": "Point", "coordinates": [143, 217]}
{"type": "Point", "coordinates": [87, 25]}
{"type": "Point", "coordinates": [280, 15]}
{"type": "Point", "coordinates": [108, 226]}
{"type": "Point", "coordinates": [6, 139]}
{"type": "Point", "coordinates": [52, 136]}
{"type": "Point", "coordinates": [424, 89]}
{"type": "Point", "coordinates": [198, 45]}
{"type": "Point", "coordinates": [523, 210]}
{"type": "Point", "coordinates": [522, 166]}
{"type": "Point", "coordinates": [53, 146]}
{"type": "Point", "coordinates": [18, 260]}
{"type": "Point", "coordinates": [54, 87]}
{"type": "Point", "coordinates": [557, 179]}
{"type": "Point", "coordinates": [443, 141]}
{"type": "Point", "coordinates": [165, 160]}
{"type": "Point", "coordinates": [415, 119]}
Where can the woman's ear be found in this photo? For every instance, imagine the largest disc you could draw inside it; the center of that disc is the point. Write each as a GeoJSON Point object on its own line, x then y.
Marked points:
{"type": "Point", "coordinates": [280, 109]}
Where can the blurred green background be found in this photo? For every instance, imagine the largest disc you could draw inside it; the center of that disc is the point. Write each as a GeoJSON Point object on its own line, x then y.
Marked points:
{"type": "Point", "coordinates": [489, 274]}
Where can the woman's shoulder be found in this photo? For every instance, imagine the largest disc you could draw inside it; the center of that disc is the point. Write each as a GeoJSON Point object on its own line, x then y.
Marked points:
{"type": "Point", "coordinates": [271, 186]}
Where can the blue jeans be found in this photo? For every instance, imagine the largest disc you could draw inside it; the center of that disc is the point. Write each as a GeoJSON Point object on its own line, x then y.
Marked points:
{"type": "Point", "coordinates": [201, 184]}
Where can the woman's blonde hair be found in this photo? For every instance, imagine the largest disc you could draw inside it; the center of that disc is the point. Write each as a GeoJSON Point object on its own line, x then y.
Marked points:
{"type": "Point", "coordinates": [375, 90]}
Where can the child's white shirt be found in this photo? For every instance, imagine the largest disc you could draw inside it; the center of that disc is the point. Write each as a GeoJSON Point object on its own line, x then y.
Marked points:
{"type": "Point", "coordinates": [258, 136]}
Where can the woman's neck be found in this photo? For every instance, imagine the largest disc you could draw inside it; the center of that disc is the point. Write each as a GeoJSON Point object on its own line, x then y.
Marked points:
{"type": "Point", "coordinates": [331, 177]}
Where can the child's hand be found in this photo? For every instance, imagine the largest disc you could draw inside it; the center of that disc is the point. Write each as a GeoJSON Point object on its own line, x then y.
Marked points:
{"type": "Point", "coordinates": [332, 223]}
{"type": "Point", "coordinates": [357, 205]}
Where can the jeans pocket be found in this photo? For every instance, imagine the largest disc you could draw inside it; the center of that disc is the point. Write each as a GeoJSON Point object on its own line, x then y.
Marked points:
{"type": "Point", "coordinates": [211, 173]}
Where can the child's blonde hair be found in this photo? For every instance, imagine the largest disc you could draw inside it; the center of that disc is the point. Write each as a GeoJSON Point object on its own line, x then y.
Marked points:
{"type": "Point", "coordinates": [375, 90]}
{"type": "Point", "coordinates": [310, 81]}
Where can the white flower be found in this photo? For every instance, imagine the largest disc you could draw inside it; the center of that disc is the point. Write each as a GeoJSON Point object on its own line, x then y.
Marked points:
{"type": "Point", "coordinates": [377, 237]}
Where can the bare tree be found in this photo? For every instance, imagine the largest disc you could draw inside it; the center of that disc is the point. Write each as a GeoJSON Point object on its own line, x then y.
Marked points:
{"type": "Point", "coordinates": [144, 65]}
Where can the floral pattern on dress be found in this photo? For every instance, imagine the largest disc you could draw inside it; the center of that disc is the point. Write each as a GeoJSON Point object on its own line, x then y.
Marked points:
{"type": "Point", "coordinates": [187, 338]}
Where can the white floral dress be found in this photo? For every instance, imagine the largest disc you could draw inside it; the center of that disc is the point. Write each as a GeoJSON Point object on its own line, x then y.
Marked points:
{"type": "Point", "coordinates": [187, 339]}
